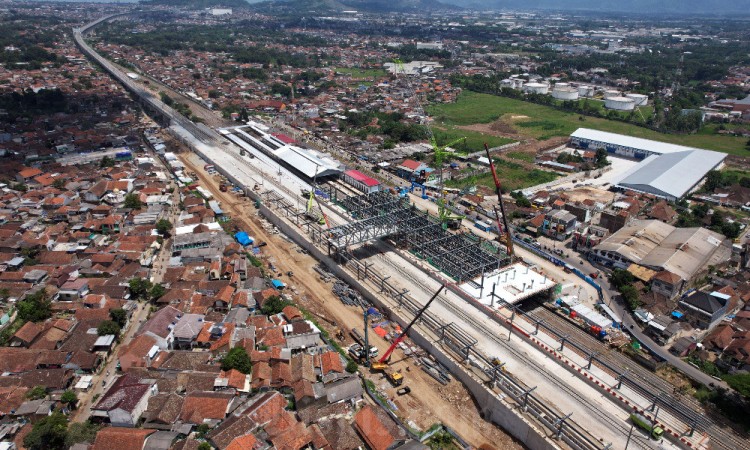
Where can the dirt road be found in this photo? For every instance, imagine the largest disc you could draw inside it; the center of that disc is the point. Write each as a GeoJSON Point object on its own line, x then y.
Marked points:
{"type": "Point", "coordinates": [429, 401]}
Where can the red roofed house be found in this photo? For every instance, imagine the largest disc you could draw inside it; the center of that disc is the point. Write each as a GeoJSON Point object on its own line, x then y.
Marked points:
{"type": "Point", "coordinates": [116, 438]}
{"type": "Point", "coordinates": [124, 402]}
{"type": "Point", "coordinates": [361, 181]}
{"type": "Point", "coordinates": [372, 429]}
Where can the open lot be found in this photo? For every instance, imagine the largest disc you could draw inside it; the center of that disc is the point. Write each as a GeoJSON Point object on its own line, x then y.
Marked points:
{"type": "Point", "coordinates": [362, 73]}
{"type": "Point", "coordinates": [529, 120]}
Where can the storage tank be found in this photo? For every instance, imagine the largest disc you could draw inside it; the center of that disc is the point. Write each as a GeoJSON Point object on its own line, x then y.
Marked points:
{"type": "Point", "coordinates": [536, 88]}
{"type": "Point", "coordinates": [619, 103]}
{"type": "Point", "coordinates": [609, 93]}
{"type": "Point", "coordinates": [585, 91]}
{"type": "Point", "coordinates": [639, 99]}
{"type": "Point", "coordinates": [565, 92]}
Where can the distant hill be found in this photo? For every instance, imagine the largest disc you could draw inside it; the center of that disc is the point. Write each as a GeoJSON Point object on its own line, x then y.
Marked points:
{"type": "Point", "coordinates": [318, 6]}
{"type": "Point", "coordinates": [199, 4]}
{"type": "Point", "coordinates": [631, 6]}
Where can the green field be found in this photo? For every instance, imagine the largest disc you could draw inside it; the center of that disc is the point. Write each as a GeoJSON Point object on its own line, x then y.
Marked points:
{"type": "Point", "coordinates": [474, 139]}
{"type": "Point", "coordinates": [544, 122]}
{"type": "Point", "coordinates": [513, 176]}
{"type": "Point", "coordinates": [521, 156]}
{"type": "Point", "coordinates": [362, 73]}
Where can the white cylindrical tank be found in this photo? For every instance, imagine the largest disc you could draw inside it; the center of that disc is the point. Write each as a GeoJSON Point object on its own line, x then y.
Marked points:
{"type": "Point", "coordinates": [585, 91]}
{"type": "Point", "coordinates": [619, 103]}
{"type": "Point", "coordinates": [565, 92]}
{"type": "Point", "coordinates": [609, 93]}
{"type": "Point", "coordinates": [639, 99]}
{"type": "Point", "coordinates": [536, 88]}
{"type": "Point", "coordinates": [557, 85]}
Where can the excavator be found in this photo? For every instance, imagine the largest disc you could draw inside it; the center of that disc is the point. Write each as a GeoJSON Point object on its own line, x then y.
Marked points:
{"type": "Point", "coordinates": [382, 365]}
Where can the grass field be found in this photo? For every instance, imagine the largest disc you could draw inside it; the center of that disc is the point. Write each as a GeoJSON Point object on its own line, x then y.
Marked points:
{"type": "Point", "coordinates": [544, 122]}
{"type": "Point", "coordinates": [521, 156]}
{"type": "Point", "coordinates": [513, 176]}
{"type": "Point", "coordinates": [474, 140]}
{"type": "Point", "coordinates": [362, 73]}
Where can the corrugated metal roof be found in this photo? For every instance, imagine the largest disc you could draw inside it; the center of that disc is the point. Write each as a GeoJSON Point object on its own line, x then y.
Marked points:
{"type": "Point", "coordinates": [629, 141]}
{"type": "Point", "coordinates": [671, 175]}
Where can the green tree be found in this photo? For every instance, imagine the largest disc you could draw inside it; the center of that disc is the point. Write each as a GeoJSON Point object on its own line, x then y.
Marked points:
{"type": "Point", "coordinates": [238, 359]}
{"type": "Point", "coordinates": [630, 295]}
{"type": "Point", "coordinates": [163, 226]}
{"type": "Point", "coordinates": [204, 446]}
{"type": "Point", "coordinates": [351, 366]}
{"type": "Point", "coordinates": [202, 429]}
{"type": "Point", "coordinates": [740, 382]}
{"type": "Point", "coordinates": [108, 327]}
{"type": "Point", "coordinates": [139, 287]}
{"type": "Point", "coordinates": [81, 432]}
{"type": "Point", "coordinates": [35, 307]}
{"type": "Point", "coordinates": [20, 187]}
{"type": "Point", "coordinates": [273, 305]}
{"type": "Point", "coordinates": [132, 201]}
{"type": "Point", "coordinates": [36, 393]}
{"type": "Point", "coordinates": [620, 278]}
{"type": "Point", "coordinates": [523, 202]}
{"type": "Point", "coordinates": [119, 316]}
{"type": "Point", "coordinates": [106, 162]}
{"type": "Point", "coordinates": [59, 183]}
{"type": "Point", "coordinates": [49, 433]}
{"type": "Point", "coordinates": [69, 397]}
{"type": "Point", "coordinates": [156, 292]}
{"type": "Point", "coordinates": [713, 180]}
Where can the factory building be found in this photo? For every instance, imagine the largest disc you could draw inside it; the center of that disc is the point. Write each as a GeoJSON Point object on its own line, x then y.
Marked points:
{"type": "Point", "coordinates": [685, 252]}
{"type": "Point", "coordinates": [673, 175]}
{"type": "Point", "coordinates": [621, 145]}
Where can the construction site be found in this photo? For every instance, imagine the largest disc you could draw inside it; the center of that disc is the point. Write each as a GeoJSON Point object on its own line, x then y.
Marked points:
{"type": "Point", "coordinates": [475, 308]}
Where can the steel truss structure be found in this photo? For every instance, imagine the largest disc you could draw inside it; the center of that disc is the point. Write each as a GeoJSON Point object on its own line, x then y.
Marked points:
{"type": "Point", "coordinates": [383, 214]}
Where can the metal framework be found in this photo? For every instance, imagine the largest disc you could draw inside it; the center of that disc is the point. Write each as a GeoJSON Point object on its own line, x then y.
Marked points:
{"type": "Point", "coordinates": [383, 214]}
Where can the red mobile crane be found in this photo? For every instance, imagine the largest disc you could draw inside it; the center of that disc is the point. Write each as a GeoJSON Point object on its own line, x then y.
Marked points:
{"type": "Point", "coordinates": [396, 341]}
{"type": "Point", "coordinates": [505, 229]}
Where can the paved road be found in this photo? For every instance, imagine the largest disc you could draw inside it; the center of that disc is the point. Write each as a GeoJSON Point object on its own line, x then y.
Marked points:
{"type": "Point", "coordinates": [108, 372]}
{"type": "Point", "coordinates": [629, 322]}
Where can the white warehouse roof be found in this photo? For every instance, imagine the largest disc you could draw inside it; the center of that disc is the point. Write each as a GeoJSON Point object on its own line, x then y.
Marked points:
{"type": "Point", "coordinates": [671, 175]}
{"type": "Point", "coordinates": [629, 141]}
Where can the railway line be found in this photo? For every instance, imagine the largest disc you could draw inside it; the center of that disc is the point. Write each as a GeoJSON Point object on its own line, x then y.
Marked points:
{"type": "Point", "coordinates": [553, 378]}
{"type": "Point", "coordinates": [639, 379]}
{"type": "Point", "coordinates": [719, 438]}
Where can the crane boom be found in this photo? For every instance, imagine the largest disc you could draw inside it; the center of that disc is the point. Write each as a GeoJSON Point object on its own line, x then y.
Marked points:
{"type": "Point", "coordinates": [499, 192]}
{"type": "Point", "coordinates": [396, 341]}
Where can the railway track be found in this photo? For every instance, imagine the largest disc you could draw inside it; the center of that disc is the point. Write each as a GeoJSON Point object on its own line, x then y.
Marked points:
{"type": "Point", "coordinates": [641, 378]}
{"type": "Point", "coordinates": [623, 427]}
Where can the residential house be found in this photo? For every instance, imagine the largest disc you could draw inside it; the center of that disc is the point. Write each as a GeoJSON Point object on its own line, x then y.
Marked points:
{"type": "Point", "coordinates": [124, 402]}
{"type": "Point", "coordinates": [186, 330]}
{"type": "Point", "coordinates": [116, 438]}
{"type": "Point", "coordinates": [704, 310]}
{"type": "Point", "coordinates": [74, 289]}
{"type": "Point", "coordinates": [667, 284]}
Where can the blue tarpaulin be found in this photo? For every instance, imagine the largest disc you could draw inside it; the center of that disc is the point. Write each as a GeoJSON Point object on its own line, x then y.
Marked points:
{"type": "Point", "coordinates": [677, 314]}
{"type": "Point", "coordinates": [243, 238]}
{"type": "Point", "coordinates": [278, 284]}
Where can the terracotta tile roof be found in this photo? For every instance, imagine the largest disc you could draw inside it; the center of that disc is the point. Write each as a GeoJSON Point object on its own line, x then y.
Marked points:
{"type": "Point", "coordinates": [246, 442]}
{"type": "Point", "coordinates": [125, 394]}
{"type": "Point", "coordinates": [28, 332]}
{"type": "Point", "coordinates": [667, 277]}
{"type": "Point", "coordinates": [261, 375]}
{"type": "Point", "coordinates": [331, 362]}
{"type": "Point", "coordinates": [236, 379]}
{"type": "Point", "coordinates": [272, 337]}
{"type": "Point", "coordinates": [225, 338]}
{"type": "Point", "coordinates": [199, 406]}
{"type": "Point", "coordinates": [134, 353]}
{"type": "Point", "coordinates": [119, 438]}
{"type": "Point", "coordinates": [372, 429]}
{"type": "Point", "coordinates": [292, 313]}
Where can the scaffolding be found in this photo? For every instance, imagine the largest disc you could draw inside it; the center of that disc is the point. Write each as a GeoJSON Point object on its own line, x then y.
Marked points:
{"type": "Point", "coordinates": [382, 214]}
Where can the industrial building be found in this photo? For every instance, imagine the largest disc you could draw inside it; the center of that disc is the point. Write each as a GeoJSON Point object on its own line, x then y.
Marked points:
{"type": "Point", "coordinates": [619, 103]}
{"type": "Point", "coordinates": [672, 175]}
{"type": "Point", "coordinates": [685, 252]}
{"type": "Point", "coordinates": [619, 144]}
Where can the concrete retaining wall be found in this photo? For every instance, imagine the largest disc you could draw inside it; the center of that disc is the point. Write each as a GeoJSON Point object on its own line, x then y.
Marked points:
{"type": "Point", "coordinates": [493, 408]}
